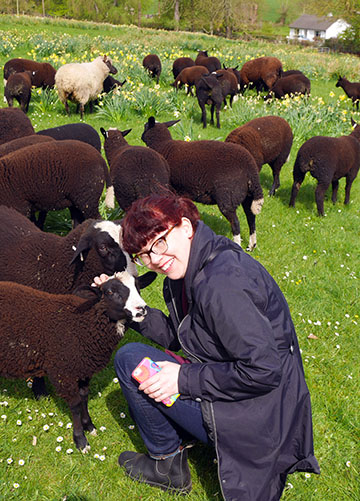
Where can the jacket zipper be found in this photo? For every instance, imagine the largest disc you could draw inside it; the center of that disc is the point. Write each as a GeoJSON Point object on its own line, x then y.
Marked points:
{"type": "Point", "coordinates": [211, 406]}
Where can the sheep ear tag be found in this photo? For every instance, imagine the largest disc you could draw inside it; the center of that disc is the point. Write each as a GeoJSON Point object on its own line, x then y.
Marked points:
{"type": "Point", "coordinates": [103, 132]}
{"type": "Point", "coordinates": [81, 249]}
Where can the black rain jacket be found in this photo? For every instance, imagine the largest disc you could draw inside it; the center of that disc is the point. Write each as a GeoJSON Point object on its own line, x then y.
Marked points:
{"type": "Point", "coordinates": [246, 366]}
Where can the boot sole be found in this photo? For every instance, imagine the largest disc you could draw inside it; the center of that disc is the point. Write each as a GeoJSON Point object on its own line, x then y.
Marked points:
{"type": "Point", "coordinates": [182, 491]}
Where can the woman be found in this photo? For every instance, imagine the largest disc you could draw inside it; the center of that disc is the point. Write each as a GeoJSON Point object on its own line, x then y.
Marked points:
{"type": "Point", "coordinates": [243, 389]}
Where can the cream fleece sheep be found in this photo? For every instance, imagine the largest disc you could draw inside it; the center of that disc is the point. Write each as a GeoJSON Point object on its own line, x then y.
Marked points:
{"type": "Point", "coordinates": [82, 82]}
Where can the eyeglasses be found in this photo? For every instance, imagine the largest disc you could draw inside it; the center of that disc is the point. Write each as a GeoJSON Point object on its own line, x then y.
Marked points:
{"type": "Point", "coordinates": [159, 247]}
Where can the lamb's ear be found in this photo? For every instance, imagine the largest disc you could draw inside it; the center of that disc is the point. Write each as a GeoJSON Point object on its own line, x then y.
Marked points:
{"type": "Point", "coordinates": [87, 292]}
{"type": "Point", "coordinates": [151, 122]}
{"type": "Point", "coordinates": [171, 122]}
{"type": "Point", "coordinates": [103, 132]}
{"type": "Point", "coordinates": [122, 83]}
{"type": "Point", "coordinates": [125, 132]}
{"type": "Point", "coordinates": [83, 246]}
{"type": "Point", "coordinates": [146, 279]}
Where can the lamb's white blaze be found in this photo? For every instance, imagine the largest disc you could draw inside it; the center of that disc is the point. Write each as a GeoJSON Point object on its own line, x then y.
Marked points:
{"type": "Point", "coordinates": [115, 231]}
{"type": "Point", "coordinates": [135, 303]}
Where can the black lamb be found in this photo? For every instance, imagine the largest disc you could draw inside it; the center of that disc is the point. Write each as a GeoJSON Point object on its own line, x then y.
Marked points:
{"type": "Point", "coordinates": [210, 91]}
{"type": "Point", "coordinates": [44, 73]}
{"type": "Point", "coordinates": [152, 64]}
{"type": "Point", "coordinates": [212, 63]}
{"type": "Point", "coordinates": [180, 63]}
{"type": "Point", "coordinates": [351, 89]}
{"type": "Point", "coordinates": [79, 131]}
{"type": "Point", "coordinates": [18, 86]}
{"type": "Point", "coordinates": [328, 159]}
{"type": "Point", "coordinates": [22, 142]}
{"type": "Point", "coordinates": [211, 172]}
{"type": "Point", "coordinates": [135, 171]}
{"type": "Point", "coordinates": [13, 124]}
{"type": "Point", "coordinates": [67, 338]}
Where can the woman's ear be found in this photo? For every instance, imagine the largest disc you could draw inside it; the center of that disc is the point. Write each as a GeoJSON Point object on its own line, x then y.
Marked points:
{"type": "Point", "coordinates": [187, 227]}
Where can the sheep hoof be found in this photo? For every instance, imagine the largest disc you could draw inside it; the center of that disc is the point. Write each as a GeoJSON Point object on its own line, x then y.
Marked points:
{"type": "Point", "coordinates": [86, 449]}
{"type": "Point", "coordinates": [237, 239]}
{"type": "Point", "coordinates": [93, 432]}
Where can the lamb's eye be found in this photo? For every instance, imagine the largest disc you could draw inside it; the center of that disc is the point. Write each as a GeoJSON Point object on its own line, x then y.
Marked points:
{"type": "Point", "coordinates": [102, 249]}
{"type": "Point", "coordinates": [109, 292]}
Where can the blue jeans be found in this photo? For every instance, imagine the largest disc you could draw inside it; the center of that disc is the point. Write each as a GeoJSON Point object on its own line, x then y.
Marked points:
{"type": "Point", "coordinates": [161, 428]}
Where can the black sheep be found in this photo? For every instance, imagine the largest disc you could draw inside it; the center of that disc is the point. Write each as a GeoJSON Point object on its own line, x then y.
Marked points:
{"type": "Point", "coordinates": [110, 83]}
{"type": "Point", "coordinates": [53, 176]}
{"type": "Point", "coordinates": [44, 73]}
{"type": "Point", "coordinates": [211, 172]}
{"type": "Point", "coordinates": [67, 338]}
{"type": "Point", "coordinates": [260, 72]}
{"type": "Point", "coordinates": [13, 124]}
{"type": "Point", "coordinates": [351, 89]}
{"type": "Point", "coordinates": [180, 63]}
{"type": "Point", "coordinates": [58, 264]}
{"type": "Point", "coordinates": [229, 84]}
{"type": "Point", "coordinates": [135, 171]}
{"type": "Point", "coordinates": [212, 63]}
{"type": "Point", "coordinates": [18, 86]}
{"type": "Point", "coordinates": [152, 64]}
{"type": "Point", "coordinates": [22, 142]}
{"type": "Point", "coordinates": [189, 76]}
{"type": "Point", "coordinates": [79, 131]}
{"type": "Point", "coordinates": [269, 140]}
{"type": "Point", "coordinates": [328, 159]}
{"type": "Point", "coordinates": [289, 86]}
{"type": "Point", "coordinates": [210, 91]}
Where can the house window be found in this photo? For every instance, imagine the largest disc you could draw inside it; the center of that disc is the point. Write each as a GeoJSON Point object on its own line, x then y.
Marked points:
{"type": "Point", "coordinates": [318, 33]}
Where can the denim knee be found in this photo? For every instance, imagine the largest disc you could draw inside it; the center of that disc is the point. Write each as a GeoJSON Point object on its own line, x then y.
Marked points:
{"type": "Point", "coordinates": [127, 358]}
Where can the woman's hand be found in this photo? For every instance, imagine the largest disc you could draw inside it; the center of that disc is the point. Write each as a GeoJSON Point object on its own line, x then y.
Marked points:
{"type": "Point", "coordinates": [98, 281]}
{"type": "Point", "coordinates": [163, 384]}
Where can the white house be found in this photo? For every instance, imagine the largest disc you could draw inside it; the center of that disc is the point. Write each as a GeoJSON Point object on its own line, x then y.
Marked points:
{"type": "Point", "coordinates": [307, 27]}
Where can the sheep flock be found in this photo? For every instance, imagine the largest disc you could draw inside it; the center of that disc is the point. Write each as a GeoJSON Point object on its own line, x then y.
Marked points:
{"type": "Point", "coordinates": [45, 279]}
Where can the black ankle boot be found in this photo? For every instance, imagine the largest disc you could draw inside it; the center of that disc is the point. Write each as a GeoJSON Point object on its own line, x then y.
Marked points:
{"type": "Point", "coordinates": [170, 474]}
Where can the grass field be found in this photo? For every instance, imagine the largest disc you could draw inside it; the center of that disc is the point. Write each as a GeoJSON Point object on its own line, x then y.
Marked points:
{"type": "Point", "coordinates": [314, 260]}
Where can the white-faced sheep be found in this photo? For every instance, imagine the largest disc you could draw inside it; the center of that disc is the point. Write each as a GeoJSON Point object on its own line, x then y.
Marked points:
{"type": "Point", "coordinates": [57, 264]}
{"type": "Point", "coordinates": [328, 159]}
{"type": "Point", "coordinates": [289, 86]}
{"type": "Point", "coordinates": [135, 171]}
{"type": "Point", "coordinates": [211, 172]}
{"type": "Point", "coordinates": [18, 87]}
{"type": "Point", "coordinates": [180, 63]}
{"type": "Point", "coordinates": [269, 140]}
{"type": "Point", "coordinates": [44, 73]}
{"type": "Point", "coordinates": [53, 176]}
{"type": "Point", "coordinates": [351, 89]}
{"type": "Point", "coordinates": [152, 64]}
{"type": "Point", "coordinates": [13, 124]}
{"type": "Point", "coordinates": [260, 72]}
{"type": "Point", "coordinates": [22, 142]}
{"type": "Point", "coordinates": [67, 338]}
{"type": "Point", "coordinates": [212, 63]}
{"type": "Point", "coordinates": [189, 76]}
{"type": "Point", "coordinates": [79, 131]}
{"type": "Point", "coordinates": [82, 82]}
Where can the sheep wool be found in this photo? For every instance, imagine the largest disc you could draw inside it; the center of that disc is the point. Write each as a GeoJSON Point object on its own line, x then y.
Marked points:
{"type": "Point", "coordinates": [13, 124]}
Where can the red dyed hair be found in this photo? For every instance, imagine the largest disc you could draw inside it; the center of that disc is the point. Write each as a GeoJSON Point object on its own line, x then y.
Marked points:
{"type": "Point", "coordinates": [149, 216]}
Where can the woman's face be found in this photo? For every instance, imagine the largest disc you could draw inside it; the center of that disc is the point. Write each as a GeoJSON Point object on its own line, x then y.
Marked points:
{"type": "Point", "coordinates": [174, 261]}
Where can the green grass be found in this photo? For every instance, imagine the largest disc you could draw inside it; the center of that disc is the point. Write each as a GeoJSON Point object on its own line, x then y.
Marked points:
{"type": "Point", "coordinates": [314, 260]}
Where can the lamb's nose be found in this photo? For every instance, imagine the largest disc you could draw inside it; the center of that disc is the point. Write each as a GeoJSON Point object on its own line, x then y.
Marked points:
{"type": "Point", "coordinates": [141, 311]}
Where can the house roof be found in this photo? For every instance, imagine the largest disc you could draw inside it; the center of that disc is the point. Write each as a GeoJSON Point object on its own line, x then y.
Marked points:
{"type": "Point", "coordinates": [313, 23]}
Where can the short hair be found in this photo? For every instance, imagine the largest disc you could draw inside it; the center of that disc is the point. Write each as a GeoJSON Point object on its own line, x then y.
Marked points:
{"type": "Point", "coordinates": [153, 214]}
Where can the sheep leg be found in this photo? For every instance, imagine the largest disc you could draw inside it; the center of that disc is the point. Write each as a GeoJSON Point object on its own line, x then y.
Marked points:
{"type": "Point", "coordinates": [218, 106]}
{"type": "Point", "coordinates": [335, 187]}
{"type": "Point", "coordinates": [212, 113]}
{"type": "Point", "coordinates": [349, 181]}
{"type": "Point", "coordinates": [203, 114]}
{"type": "Point", "coordinates": [230, 214]}
{"type": "Point", "coordinates": [67, 109]}
{"type": "Point", "coordinates": [276, 177]}
{"type": "Point", "coordinates": [81, 111]}
{"type": "Point", "coordinates": [87, 424]}
{"type": "Point", "coordinates": [39, 388]}
{"type": "Point", "coordinates": [320, 195]}
{"type": "Point", "coordinates": [250, 217]}
{"type": "Point", "coordinates": [298, 176]}
{"type": "Point", "coordinates": [41, 219]}
{"type": "Point", "coordinates": [78, 432]}
{"type": "Point", "coordinates": [76, 215]}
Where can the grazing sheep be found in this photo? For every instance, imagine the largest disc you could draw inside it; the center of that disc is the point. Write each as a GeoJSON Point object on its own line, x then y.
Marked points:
{"type": "Point", "coordinates": [13, 124]}
{"type": "Point", "coordinates": [18, 87]}
{"type": "Point", "coordinates": [44, 73]}
{"type": "Point", "coordinates": [189, 76]}
{"type": "Point", "coordinates": [79, 131]}
{"type": "Point", "coordinates": [291, 72]}
{"type": "Point", "coordinates": [351, 89]}
{"type": "Point", "coordinates": [212, 63]}
{"type": "Point", "coordinates": [110, 83]}
{"type": "Point", "coordinates": [211, 172]}
{"type": "Point", "coordinates": [209, 91]}
{"type": "Point", "coordinates": [82, 82]}
{"type": "Point", "coordinates": [180, 63]}
{"type": "Point", "coordinates": [152, 64]}
{"type": "Point", "coordinates": [236, 73]}
{"type": "Point", "coordinates": [262, 71]}
{"type": "Point", "coordinates": [53, 176]}
{"type": "Point", "coordinates": [22, 142]}
{"type": "Point", "coordinates": [269, 140]}
{"type": "Point", "coordinates": [290, 85]}
{"type": "Point", "coordinates": [56, 264]}
{"type": "Point", "coordinates": [67, 338]}
{"type": "Point", "coordinates": [229, 84]}
{"type": "Point", "coordinates": [135, 171]}
{"type": "Point", "coordinates": [328, 159]}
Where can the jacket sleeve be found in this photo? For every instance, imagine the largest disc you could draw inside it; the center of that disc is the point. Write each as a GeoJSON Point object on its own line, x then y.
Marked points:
{"type": "Point", "coordinates": [159, 328]}
{"type": "Point", "coordinates": [231, 311]}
